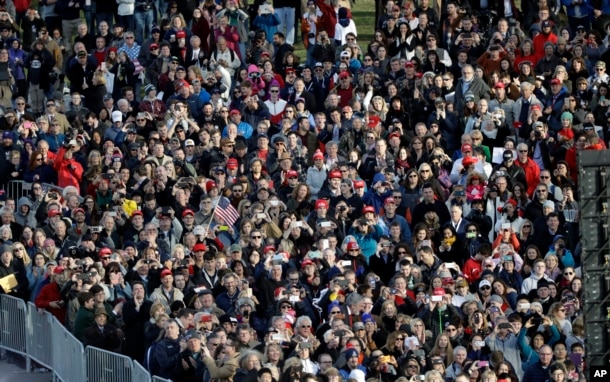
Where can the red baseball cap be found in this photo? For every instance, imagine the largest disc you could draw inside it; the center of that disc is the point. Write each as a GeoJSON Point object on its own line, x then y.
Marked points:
{"type": "Point", "coordinates": [466, 147]}
{"type": "Point", "coordinates": [359, 184]}
{"type": "Point", "coordinates": [105, 251]}
{"type": "Point", "coordinates": [321, 203]}
{"type": "Point", "coordinates": [389, 199]}
{"type": "Point", "coordinates": [334, 174]}
{"type": "Point", "coordinates": [188, 212]}
{"type": "Point", "coordinates": [232, 164]}
{"type": "Point", "coordinates": [352, 245]}
{"type": "Point", "coordinates": [137, 212]}
{"type": "Point", "coordinates": [181, 34]}
{"type": "Point", "coordinates": [368, 209]}
{"type": "Point", "coordinates": [166, 272]}
{"type": "Point", "coordinates": [54, 213]}
{"type": "Point", "coordinates": [199, 247]}
{"type": "Point", "coordinates": [77, 210]}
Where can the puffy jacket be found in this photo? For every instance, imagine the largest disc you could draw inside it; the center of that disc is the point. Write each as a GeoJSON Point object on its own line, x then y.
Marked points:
{"type": "Point", "coordinates": [167, 355]}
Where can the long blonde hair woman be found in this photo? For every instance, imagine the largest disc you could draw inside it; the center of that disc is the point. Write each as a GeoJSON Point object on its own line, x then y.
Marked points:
{"type": "Point", "coordinates": [379, 106]}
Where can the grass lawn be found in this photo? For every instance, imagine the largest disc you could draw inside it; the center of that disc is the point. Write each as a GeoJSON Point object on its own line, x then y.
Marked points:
{"type": "Point", "coordinates": [364, 16]}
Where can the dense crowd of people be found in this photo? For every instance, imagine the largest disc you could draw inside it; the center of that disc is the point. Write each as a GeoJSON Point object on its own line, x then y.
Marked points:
{"type": "Point", "coordinates": [220, 206]}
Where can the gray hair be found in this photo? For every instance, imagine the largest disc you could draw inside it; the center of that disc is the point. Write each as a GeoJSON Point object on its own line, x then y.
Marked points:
{"type": "Point", "coordinates": [353, 299]}
{"type": "Point", "coordinates": [302, 320]}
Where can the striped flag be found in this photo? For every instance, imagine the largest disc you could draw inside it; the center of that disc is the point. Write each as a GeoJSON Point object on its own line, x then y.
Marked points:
{"type": "Point", "coordinates": [226, 211]}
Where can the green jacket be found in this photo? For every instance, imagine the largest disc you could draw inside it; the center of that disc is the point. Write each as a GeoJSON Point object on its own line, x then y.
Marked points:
{"type": "Point", "coordinates": [84, 319]}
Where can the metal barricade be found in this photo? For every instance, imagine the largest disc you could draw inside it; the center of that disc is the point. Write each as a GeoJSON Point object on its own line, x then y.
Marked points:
{"type": "Point", "coordinates": [17, 188]}
{"type": "Point", "coordinates": [13, 319]}
{"type": "Point", "coordinates": [39, 336]}
{"type": "Point", "coordinates": [68, 354]}
{"type": "Point", "coordinates": [159, 379]}
{"type": "Point", "coordinates": [139, 373]}
{"type": "Point", "coordinates": [105, 366]}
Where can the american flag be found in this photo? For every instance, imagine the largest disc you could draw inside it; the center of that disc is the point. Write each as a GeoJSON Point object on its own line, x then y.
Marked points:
{"type": "Point", "coordinates": [226, 211]}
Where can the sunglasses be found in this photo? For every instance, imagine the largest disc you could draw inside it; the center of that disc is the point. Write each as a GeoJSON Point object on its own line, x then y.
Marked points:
{"type": "Point", "coordinates": [485, 288]}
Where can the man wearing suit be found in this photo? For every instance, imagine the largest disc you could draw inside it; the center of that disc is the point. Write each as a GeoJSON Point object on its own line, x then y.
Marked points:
{"type": "Point", "coordinates": [100, 334]}
{"type": "Point", "coordinates": [194, 54]}
{"type": "Point", "coordinates": [53, 114]}
{"type": "Point", "coordinates": [469, 83]}
{"type": "Point", "coordinates": [135, 314]}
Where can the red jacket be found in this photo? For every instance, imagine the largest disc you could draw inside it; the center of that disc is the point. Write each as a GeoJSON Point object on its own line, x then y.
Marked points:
{"type": "Point", "coordinates": [48, 294]}
{"type": "Point", "coordinates": [532, 174]}
{"type": "Point", "coordinates": [472, 270]}
{"type": "Point", "coordinates": [69, 171]}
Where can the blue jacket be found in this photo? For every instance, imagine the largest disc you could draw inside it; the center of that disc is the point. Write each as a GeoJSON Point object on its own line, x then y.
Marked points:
{"type": "Point", "coordinates": [268, 23]}
{"type": "Point", "coordinates": [405, 231]}
{"type": "Point", "coordinates": [555, 117]}
{"type": "Point", "coordinates": [584, 10]}
{"type": "Point", "coordinates": [167, 355]}
{"type": "Point", "coordinates": [373, 198]}
{"type": "Point", "coordinates": [368, 242]}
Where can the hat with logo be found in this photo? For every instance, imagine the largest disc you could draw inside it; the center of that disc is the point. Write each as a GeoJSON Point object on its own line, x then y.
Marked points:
{"type": "Point", "coordinates": [117, 116]}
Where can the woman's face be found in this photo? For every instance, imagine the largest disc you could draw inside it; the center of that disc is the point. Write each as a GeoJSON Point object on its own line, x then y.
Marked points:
{"type": "Point", "coordinates": [576, 285]}
{"type": "Point", "coordinates": [531, 254]}
{"type": "Point", "coordinates": [538, 341]}
{"type": "Point", "coordinates": [421, 234]}
{"type": "Point", "coordinates": [390, 310]}
{"type": "Point", "coordinates": [402, 154]}
{"type": "Point", "coordinates": [273, 353]}
{"type": "Point", "coordinates": [437, 282]}
{"type": "Point", "coordinates": [443, 341]}
{"type": "Point", "coordinates": [247, 227]}
{"type": "Point", "coordinates": [302, 191]}
{"type": "Point", "coordinates": [498, 288]}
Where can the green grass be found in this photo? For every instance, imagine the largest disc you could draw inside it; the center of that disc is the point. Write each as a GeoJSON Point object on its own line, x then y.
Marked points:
{"type": "Point", "coordinates": [363, 14]}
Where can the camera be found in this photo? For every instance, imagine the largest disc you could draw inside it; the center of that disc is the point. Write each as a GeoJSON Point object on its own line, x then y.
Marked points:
{"type": "Point", "coordinates": [311, 35]}
{"type": "Point", "coordinates": [339, 333]}
{"type": "Point", "coordinates": [538, 134]}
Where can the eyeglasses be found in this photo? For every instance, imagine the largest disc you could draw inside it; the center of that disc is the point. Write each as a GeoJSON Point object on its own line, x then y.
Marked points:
{"type": "Point", "coordinates": [129, 38]}
{"type": "Point", "coordinates": [274, 91]}
{"type": "Point", "coordinates": [399, 339]}
{"type": "Point", "coordinates": [544, 177]}
{"type": "Point", "coordinates": [412, 366]}
{"type": "Point", "coordinates": [425, 171]}
{"type": "Point", "coordinates": [305, 326]}
{"type": "Point", "coordinates": [527, 226]}
{"type": "Point", "coordinates": [256, 237]}
{"type": "Point", "coordinates": [485, 288]}
{"type": "Point", "coordinates": [599, 69]}
{"type": "Point", "coordinates": [105, 257]}
{"type": "Point", "coordinates": [20, 103]}
{"type": "Point", "coordinates": [541, 191]}
{"type": "Point", "coordinates": [335, 312]}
